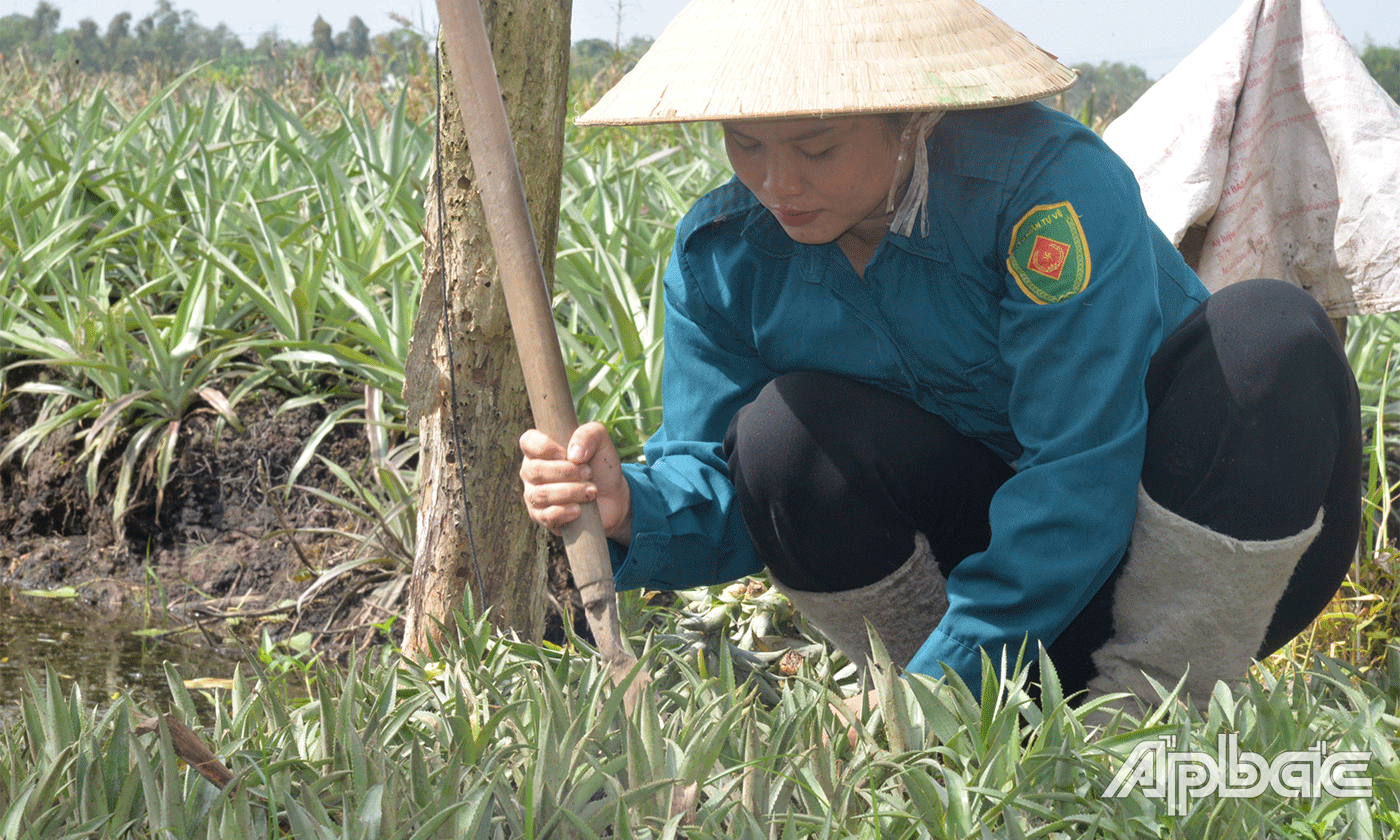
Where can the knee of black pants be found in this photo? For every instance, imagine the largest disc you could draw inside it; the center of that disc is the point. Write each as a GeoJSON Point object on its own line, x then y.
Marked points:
{"type": "Point", "coordinates": [792, 482]}
{"type": "Point", "coordinates": [834, 476]}
{"type": "Point", "coordinates": [1252, 407]}
{"type": "Point", "coordinates": [1254, 426]}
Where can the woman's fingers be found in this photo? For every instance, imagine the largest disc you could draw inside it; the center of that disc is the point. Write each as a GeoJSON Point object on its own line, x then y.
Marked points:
{"type": "Point", "coordinates": [536, 444]}
{"type": "Point", "coordinates": [556, 480]}
{"type": "Point", "coordinates": [541, 496]}
{"type": "Point", "coordinates": [555, 517]}
{"type": "Point", "coordinates": [541, 471]}
{"type": "Point", "coordinates": [589, 440]}
{"type": "Point", "coordinates": [592, 446]}
{"type": "Point", "coordinates": [552, 487]}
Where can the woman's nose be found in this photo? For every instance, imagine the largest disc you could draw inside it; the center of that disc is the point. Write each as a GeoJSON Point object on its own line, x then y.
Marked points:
{"type": "Point", "coordinates": [781, 178]}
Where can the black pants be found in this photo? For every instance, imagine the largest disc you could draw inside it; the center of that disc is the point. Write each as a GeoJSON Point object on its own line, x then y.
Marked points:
{"type": "Point", "coordinates": [1253, 425]}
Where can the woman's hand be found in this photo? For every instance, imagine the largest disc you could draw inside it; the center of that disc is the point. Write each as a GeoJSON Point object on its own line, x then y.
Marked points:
{"type": "Point", "coordinates": [557, 481]}
{"type": "Point", "coordinates": [849, 710]}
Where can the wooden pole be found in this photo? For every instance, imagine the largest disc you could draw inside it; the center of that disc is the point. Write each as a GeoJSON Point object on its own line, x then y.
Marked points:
{"type": "Point", "coordinates": [527, 301]}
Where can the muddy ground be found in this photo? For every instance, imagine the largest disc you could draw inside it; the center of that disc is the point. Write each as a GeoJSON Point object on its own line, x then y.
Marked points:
{"type": "Point", "coordinates": [218, 545]}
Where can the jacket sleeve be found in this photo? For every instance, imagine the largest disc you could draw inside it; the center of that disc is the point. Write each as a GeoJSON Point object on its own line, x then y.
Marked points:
{"type": "Point", "coordinates": [686, 528]}
{"type": "Point", "coordinates": [1077, 406]}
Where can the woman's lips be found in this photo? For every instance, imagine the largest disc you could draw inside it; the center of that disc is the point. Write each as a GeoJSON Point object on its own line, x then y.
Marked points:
{"type": "Point", "coordinates": [794, 218]}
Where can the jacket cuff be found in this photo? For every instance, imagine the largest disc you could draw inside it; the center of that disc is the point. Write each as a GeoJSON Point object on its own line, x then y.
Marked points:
{"type": "Point", "coordinates": [632, 565]}
{"type": "Point", "coordinates": [941, 652]}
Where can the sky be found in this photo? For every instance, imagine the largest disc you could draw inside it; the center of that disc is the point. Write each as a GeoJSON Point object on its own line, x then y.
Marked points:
{"type": "Point", "coordinates": [1154, 36]}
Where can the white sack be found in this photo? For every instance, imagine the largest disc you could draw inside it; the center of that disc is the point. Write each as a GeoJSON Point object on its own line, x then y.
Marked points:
{"type": "Point", "coordinates": [1273, 136]}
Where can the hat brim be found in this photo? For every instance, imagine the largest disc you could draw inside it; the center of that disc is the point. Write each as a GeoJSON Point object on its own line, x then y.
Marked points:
{"type": "Point", "coordinates": [743, 59]}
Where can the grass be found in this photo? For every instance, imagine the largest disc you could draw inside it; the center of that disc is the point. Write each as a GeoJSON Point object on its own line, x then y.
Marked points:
{"type": "Point", "coordinates": [172, 252]}
{"type": "Point", "coordinates": [496, 739]}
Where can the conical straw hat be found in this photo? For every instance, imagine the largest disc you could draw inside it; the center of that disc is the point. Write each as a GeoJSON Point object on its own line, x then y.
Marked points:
{"type": "Point", "coordinates": [753, 59]}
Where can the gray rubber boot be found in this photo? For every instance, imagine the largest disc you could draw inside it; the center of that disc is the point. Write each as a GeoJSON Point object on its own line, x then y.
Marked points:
{"type": "Point", "coordinates": [902, 608]}
{"type": "Point", "coordinates": [1191, 601]}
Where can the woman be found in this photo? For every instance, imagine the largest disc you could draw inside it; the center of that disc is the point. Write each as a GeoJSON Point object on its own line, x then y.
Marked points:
{"type": "Point", "coordinates": [930, 363]}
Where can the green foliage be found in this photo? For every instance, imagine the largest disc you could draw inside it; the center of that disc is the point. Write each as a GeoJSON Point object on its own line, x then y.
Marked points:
{"type": "Point", "coordinates": [1365, 617]}
{"type": "Point", "coordinates": [1384, 66]}
{"type": "Point", "coordinates": [1102, 92]}
{"type": "Point", "coordinates": [598, 64]}
{"type": "Point", "coordinates": [622, 197]}
{"type": "Point", "coordinates": [167, 257]}
{"type": "Point", "coordinates": [171, 40]}
{"type": "Point", "coordinates": [322, 38]}
{"type": "Point", "coordinates": [166, 36]}
{"type": "Point", "coordinates": [174, 258]}
{"type": "Point", "coordinates": [492, 738]}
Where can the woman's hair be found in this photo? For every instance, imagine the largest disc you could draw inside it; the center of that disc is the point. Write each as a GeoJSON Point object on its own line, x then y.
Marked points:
{"type": "Point", "coordinates": [895, 124]}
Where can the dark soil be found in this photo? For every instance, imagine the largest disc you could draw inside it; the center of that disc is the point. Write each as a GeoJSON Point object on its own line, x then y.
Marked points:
{"type": "Point", "coordinates": [218, 544]}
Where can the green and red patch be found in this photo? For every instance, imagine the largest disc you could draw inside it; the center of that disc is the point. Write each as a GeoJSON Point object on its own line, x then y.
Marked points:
{"type": "Point", "coordinates": [1049, 257]}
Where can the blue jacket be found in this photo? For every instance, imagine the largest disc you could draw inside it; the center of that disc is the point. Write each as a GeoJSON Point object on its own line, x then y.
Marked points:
{"type": "Point", "coordinates": [1049, 376]}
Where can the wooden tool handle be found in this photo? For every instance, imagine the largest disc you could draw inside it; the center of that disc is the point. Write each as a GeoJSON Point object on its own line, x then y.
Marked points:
{"type": "Point", "coordinates": [527, 296]}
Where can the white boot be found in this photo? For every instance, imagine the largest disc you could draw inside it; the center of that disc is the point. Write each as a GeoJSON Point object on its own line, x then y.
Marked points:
{"type": "Point", "coordinates": [903, 608]}
{"type": "Point", "coordinates": [1190, 596]}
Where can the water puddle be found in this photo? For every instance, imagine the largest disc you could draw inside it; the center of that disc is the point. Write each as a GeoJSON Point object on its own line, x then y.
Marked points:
{"type": "Point", "coordinates": [103, 655]}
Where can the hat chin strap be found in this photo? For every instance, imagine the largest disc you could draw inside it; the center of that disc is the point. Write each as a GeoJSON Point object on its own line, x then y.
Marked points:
{"type": "Point", "coordinates": [913, 143]}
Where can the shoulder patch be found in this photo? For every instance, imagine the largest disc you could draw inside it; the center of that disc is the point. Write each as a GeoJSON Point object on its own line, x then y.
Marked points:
{"type": "Point", "coordinates": [1049, 257]}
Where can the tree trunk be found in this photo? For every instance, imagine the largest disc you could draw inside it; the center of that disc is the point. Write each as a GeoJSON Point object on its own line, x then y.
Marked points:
{"type": "Point", "coordinates": [502, 551]}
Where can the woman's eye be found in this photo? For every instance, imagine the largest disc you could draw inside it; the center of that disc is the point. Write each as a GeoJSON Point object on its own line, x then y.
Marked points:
{"type": "Point", "coordinates": [821, 155]}
{"type": "Point", "coordinates": [741, 145]}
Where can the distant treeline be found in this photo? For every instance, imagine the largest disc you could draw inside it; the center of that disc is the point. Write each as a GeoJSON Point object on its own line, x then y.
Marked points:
{"type": "Point", "coordinates": [173, 39]}
{"type": "Point", "coordinates": [1384, 65]}
{"type": "Point", "coordinates": [1103, 91]}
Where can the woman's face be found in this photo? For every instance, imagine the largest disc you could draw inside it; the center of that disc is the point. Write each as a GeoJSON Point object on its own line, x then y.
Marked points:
{"type": "Point", "coordinates": [821, 178]}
